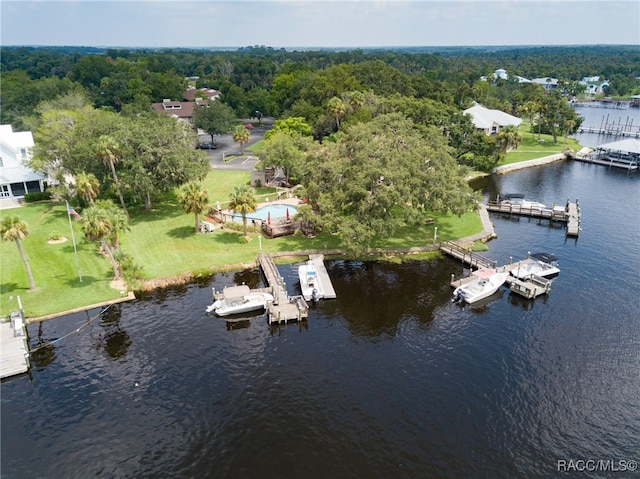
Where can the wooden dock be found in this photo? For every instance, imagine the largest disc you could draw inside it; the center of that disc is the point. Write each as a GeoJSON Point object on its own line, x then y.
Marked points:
{"type": "Point", "coordinates": [570, 214]}
{"type": "Point", "coordinates": [610, 160]}
{"type": "Point", "coordinates": [529, 288]}
{"type": "Point", "coordinates": [284, 307]}
{"type": "Point", "coordinates": [467, 256]}
{"type": "Point", "coordinates": [14, 350]}
{"type": "Point", "coordinates": [573, 221]}
{"type": "Point", "coordinates": [323, 276]}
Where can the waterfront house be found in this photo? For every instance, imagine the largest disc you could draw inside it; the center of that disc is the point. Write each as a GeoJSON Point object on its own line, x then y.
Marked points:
{"type": "Point", "coordinates": [547, 83]}
{"type": "Point", "coordinates": [16, 178]}
{"type": "Point", "coordinates": [501, 73]}
{"type": "Point", "coordinates": [593, 85]}
{"type": "Point", "coordinates": [490, 121]}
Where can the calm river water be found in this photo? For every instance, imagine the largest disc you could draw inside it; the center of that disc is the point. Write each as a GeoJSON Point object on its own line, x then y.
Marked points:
{"type": "Point", "coordinates": [389, 380]}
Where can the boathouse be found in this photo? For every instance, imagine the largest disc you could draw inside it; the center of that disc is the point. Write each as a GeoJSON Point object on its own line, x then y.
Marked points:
{"type": "Point", "coordinates": [623, 153]}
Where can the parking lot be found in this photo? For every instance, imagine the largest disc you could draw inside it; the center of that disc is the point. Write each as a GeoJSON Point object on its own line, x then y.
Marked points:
{"type": "Point", "coordinates": [225, 147]}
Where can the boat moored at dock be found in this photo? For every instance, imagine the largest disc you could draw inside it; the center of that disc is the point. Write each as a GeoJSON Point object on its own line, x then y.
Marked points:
{"type": "Point", "coordinates": [309, 285]}
{"type": "Point", "coordinates": [539, 264]}
{"type": "Point", "coordinates": [239, 299]}
{"type": "Point", "coordinates": [481, 284]}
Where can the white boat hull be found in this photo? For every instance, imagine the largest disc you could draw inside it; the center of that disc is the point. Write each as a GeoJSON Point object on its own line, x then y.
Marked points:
{"type": "Point", "coordinates": [238, 305]}
{"type": "Point", "coordinates": [479, 288]}
{"type": "Point", "coordinates": [309, 282]}
{"type": "Point", "coordinates": [529, 268]}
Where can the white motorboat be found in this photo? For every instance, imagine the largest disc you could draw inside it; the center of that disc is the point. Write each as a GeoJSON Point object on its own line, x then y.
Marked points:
{"type": "Point", "coordinates": [539, 264]}
{"type": "Point", "coordinates": [309, 281]}
{"type": "Point", "coordinates": [239, 299]}
{"type": "Point", "coordinates": [485, 282]}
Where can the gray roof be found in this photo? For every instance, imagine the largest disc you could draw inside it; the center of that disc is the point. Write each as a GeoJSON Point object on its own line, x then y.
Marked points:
{"type": "Point", "coordinates": [485, 118]}
{"type": "Point", "coordinates": [629, 145]}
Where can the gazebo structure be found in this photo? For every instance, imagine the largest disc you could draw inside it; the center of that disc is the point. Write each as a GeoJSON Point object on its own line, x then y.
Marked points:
{"type": "Point", "coordinates": [622, 154]}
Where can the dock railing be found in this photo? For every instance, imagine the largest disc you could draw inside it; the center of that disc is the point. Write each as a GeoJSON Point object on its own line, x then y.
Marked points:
{"type": "Point", "coordinates": [471, 258]}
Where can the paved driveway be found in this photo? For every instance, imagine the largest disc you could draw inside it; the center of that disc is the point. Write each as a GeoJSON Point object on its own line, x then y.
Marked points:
{"type": "Point", "coordinates": [226, 147]}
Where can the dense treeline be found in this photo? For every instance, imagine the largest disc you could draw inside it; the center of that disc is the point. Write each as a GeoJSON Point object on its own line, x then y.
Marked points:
{"type": "Point", "coordinates": [115, 77]}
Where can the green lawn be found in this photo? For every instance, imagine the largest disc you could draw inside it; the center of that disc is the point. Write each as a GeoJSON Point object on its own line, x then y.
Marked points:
{"type": "Point", "coordinates": [58, 286]}
{"type": "Point", "coordinates": [532, 148]}
{"type": "Point", "coordinates": [163, 242]}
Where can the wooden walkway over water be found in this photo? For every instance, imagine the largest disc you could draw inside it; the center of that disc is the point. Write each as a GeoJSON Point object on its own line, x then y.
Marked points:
{"type": "Point", "coordinates": [323, 276]}
{"type": "Point", "coordinates": [284, 307]}
{"type": "Point", "coordinates": [14, 349]}
{"type": "Point", "coordinates": [569, 215]}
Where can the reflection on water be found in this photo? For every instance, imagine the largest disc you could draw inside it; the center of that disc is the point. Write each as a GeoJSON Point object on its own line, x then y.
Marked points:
{"type": "Point", "coordinates": [391, 379]}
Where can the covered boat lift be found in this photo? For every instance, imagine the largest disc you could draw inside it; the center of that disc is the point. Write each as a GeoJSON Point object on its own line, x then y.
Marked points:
{"type": "Point", "coordinates": [622, 154]}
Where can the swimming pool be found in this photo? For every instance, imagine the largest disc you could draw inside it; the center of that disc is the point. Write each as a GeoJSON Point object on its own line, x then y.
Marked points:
{"type": "Point", "coordinates": [277, 210]}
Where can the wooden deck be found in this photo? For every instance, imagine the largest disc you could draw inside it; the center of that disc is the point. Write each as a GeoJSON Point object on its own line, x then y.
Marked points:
{"type": "Point", "coordinates": [530, 288]}
{"type": "Point", "coordinates": [323, 276]}
{"type": "Point", "coordinates": [284, 307]}
{"type": "Point", "coordinates": [573, 222]}
{"type": "Point", "coordinates": [14, 348]}
{"type": "Point", "coordinates": [569, 215]}
{"type": "Point", "coordinates": [467, 256]}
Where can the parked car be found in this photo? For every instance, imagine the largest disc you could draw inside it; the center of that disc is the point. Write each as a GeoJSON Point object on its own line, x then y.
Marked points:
{"type": "Point", "coordinates": [207, 145]}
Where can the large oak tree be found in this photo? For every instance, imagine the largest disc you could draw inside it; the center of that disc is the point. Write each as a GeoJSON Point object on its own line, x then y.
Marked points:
{"type": "Point", "coordinates": [383, 174]}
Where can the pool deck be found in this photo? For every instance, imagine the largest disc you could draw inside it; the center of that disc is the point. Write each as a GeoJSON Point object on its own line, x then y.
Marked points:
{"type": "Point", "coordinates": [294, 202]}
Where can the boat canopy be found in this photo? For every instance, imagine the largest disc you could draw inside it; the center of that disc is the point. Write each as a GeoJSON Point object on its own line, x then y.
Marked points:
{"type": "Point", "coordinates": [484, 273]}
{"type": "Point", "coordinates": [545, 257]}
{"type": "Point", "coordinates": [234, 292]}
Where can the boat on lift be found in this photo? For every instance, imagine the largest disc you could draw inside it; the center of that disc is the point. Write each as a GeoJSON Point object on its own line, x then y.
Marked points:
{"type": "Point", "coordinates": [544, 265]}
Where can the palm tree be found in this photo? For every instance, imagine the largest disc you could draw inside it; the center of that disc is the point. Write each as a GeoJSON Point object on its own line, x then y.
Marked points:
{"type": "Point", "coordinates": [507, 138]}
{"type": "Point", "coordinates": [97, 226]}
{"type": "Point", "coordinates": [529, 109]}
{"type": "Point", "coordinates": [193, 199]}
{"type": "Point", "coordinates": [13, 228]}
{"type": "Point", "coordinates": [88, 187]}
{"type": "Point", "coordinates": [118, 219]}
{"type": "Point", "coordinates": [243, 202]}
{"type": "Point", "coordinates": [108, 149]}
{"type": "Point", "coordinates": [336, 109]}
{"type": "Point", "coordinates": [241, 135]}
{"type": "Point", "coordinates": [355, 99]}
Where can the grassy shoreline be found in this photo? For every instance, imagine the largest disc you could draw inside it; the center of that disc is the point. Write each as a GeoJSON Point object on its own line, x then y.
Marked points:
{"type": "Point", "coordinates": [164, 244]}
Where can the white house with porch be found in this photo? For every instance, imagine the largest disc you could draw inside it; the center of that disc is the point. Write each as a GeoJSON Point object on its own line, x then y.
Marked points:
{"type": "Point", "coordinates": [490, 121]}
{"type": "Point", "coordinates": [16, 178]}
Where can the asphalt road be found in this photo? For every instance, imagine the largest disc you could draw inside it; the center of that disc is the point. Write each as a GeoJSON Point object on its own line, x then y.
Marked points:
{"type": "Point", "coordinates": [226, 147]}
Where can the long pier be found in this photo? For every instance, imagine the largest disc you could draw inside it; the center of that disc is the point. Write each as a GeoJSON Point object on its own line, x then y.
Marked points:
{"type": "Point", "coordinates": [615, 130]}
{"type": "Point", "coordinates": [284, 307]}
{"type": "Point", "coordinates": [569, 215]}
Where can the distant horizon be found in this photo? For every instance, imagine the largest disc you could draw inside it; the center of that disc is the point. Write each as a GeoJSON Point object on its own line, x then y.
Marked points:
{"type": "Point", "coordinates": [317, 24]}
{"type": "Point", "coordinates": [345, 47]}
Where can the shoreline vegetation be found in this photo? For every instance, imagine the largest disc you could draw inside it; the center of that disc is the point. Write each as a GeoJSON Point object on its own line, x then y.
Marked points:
{"type": "Point", "coordinates": [171, 254]}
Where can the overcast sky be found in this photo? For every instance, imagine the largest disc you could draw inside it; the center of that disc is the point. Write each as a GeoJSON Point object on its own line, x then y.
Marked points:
{"type": "Point", "coordinates": [318, 23]}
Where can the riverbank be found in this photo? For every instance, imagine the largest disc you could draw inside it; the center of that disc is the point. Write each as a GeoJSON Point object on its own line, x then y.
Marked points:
{"type": "Point", "coordinates": [545, 160]}
{"type": "Point", "coordinates": [206, 254]}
